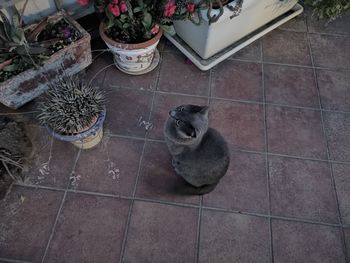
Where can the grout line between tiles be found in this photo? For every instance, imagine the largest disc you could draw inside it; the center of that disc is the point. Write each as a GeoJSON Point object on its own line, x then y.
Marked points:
{"type": "Point", "coordinates": [266, 156]}
{"type": "Point", "coordinates": [198, 233]}
{"type": "Point", "coordinates": [60, 208]}
{"type": "Point", "coordinates": [7, 260]}
{"type": "Point", "coordinates": [123, 247]}
{"type": "Point", "coordinates": [335, 193]}
{"type": "Point", "coordinates": [237, 100]}
{"type": "Point", "coordinates": [188, 205]}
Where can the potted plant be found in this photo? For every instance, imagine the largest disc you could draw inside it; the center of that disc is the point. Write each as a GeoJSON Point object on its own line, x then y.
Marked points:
{"type": "Point", "coordinates": [32, 56]}
{"type": "Point", "coordinates": [131, 29]}
{"type": "Point", "coordinates": [330, 10]}
{"type": "Point", "coordinates": [209, 26]}
{"type": "Point", "coordinates": [74, 111]}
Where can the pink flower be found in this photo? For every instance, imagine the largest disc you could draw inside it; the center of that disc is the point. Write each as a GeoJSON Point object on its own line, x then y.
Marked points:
{"type": "Point", "coordinates": [155, 29]}
{"type": "Point", "coordinates": [123, 7]}
{"type": "Point", "coordinates": [169, 8]}
{"type": "Point", "coordinates": [191, 7]}
{"type": "Point", "coordinates": [83, 2]}
{"type": "Point", "coordinates": [114, 9]}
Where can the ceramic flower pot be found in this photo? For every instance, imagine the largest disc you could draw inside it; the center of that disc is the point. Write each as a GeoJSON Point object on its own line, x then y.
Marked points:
{"type": "Point", "coordinates": [86, 139]}
{"type": "Point", "coordinates": [209, 39]}
{"type": "Point", "coordinates": [133, 58]}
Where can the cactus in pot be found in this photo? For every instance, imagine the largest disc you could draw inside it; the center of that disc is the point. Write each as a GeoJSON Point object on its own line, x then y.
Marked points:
{"type": "Point", "coordinates": [74, 111]}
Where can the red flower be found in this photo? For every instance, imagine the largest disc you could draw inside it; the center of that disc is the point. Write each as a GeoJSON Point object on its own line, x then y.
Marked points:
{"type": "Point", "coordinates": [114, 9]}
{"type": "Point", "coordinates": [83, 2]}
{"type": "Point", "coordinates": [191, 7]}
{"type": "Point", "coordinates": [169, 8]}
{"type": "Point", "coordinates": [123, 7]}
{"type": "Point", "coordinates": [155, 29]}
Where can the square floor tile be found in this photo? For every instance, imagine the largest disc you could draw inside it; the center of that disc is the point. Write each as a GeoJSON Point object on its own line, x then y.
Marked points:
{"type": "Point", "coordinates": [115, 78]}
{"type": "Point", "coordinates": [229, 237]}
{"type": "Point", "coordinates": [302, 189]}
{"type": "Point", "coordinates": [51, 161]}
{"type": "Point", "coordinates": [340, 25]}
{"type": "Point", "coordinates": [335, 89]}
{"type": "Point", "coordinates": [244, 187]}
{"type": "Point", "coordinates": [347, 239]}
{"type": "Point", "coordinates": [127, 111]}
{"type": "Point", "coordinates": [286, 47]}
{"type": "Point", "coordinates": [330, 51]}
{"type": "Point", "coordinates": [97, 70]}
{"type": "Point", "coordinates": [237, 80]}
{"type": "Point", "coordinates": [251, 52]}
{"type": "Point", "coordinates": [301, 242]}
{"type": "Point", "coordinates": [169, 47]}
{"type": "Point", "coordinates": [162, 105]}
{"type": "Point", "coordinates": [342, 183]}
{"type": "Point", "coordinates": [89, 229]}
{"type": "Point", "coordinates": [337, 127]}
{"type": "Point", "coordinates": [180, 77]}
{"type": "Point", "coordinates": [157, 178]}
{"type": "Point", "coordinates": [241, 124]}
{"type": "Point", "coordinates": [295, 132]}
{"type": "Point", "coordinates": [27, 218]}
{"type": "Point", "coordinates": [161, 233]}
{"type": "Point", "coordinates": [296, 24]}
{"type": "Point", "coordinates": [110, 168]}
{"type": "Point", "coordinates": [290, 86]}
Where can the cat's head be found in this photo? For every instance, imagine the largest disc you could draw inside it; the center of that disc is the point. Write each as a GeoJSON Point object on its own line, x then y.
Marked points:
{"type": "Point", "coordinates": [189, 121]}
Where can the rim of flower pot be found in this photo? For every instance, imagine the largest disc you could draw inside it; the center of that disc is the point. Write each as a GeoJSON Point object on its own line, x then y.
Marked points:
{"type": "Point", "coordinates": [82, 135]}
{"type": "Point", "coordinates": [117, 44]}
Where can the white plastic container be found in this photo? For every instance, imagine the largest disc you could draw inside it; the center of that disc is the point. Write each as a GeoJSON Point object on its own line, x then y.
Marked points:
{"type": "Point", "coordinates": [207, 40]}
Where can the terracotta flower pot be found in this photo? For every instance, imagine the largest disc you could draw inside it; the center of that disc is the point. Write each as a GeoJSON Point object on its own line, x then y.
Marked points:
{"type": "Point", "coordinates": [133, 58]}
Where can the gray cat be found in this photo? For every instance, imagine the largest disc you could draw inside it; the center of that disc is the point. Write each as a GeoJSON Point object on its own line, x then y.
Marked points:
{"type": "Point", "coordinates": [200, 154]}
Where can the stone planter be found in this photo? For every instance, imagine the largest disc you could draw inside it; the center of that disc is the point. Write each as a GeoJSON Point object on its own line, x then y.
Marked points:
{"type": "Point", "coordinates": [133, 58]}
{"type": "Point", "coordinates": [29, 84]}
{"type": "Point", "coordinates": [207, 40]}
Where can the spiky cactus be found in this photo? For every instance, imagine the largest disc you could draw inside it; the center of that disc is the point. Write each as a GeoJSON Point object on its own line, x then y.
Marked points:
{"type": "Point", "coordinates": [71, 106]}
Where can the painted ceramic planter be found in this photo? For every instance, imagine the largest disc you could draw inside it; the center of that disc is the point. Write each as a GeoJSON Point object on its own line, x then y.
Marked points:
{"type": "Point", "coordinates": [86, 139]}
{"type": "Point", "coordinates": [24, 87]}
{"type": "Point", "coordinates": [207, 40]}
{"type": "Point", "coordinates": [132, 58]}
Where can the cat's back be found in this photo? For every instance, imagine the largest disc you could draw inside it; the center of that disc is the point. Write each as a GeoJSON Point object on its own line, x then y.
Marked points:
{"type": "Point", "coordinates": [213, 145]}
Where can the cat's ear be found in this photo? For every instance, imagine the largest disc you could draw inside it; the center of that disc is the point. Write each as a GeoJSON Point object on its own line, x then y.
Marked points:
{"type": "Point", "coordinates": [205, 110]}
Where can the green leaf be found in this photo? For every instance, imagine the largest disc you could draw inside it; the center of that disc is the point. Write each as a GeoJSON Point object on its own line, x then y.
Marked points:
{"type": "Point", "coordinates": [169, 29]}
{"type": "Point", "coordinates": [137, 9]}
{"type": "Point", "coordinates": [6, 25]}
{"type": "Point", "coordinates": [18, 35]}
{"type": "Point", "coordinates": [126, 25]}
{"type": "Point", "coordinates": [147, 19]}
{"type": "Point", "coordinates": [123, 18]}
{"type": "Point", "coordinates": [12, 67]}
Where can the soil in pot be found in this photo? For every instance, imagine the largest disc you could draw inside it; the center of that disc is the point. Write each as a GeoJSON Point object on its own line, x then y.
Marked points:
{"type": "Point", "coordinates": [15, 147]}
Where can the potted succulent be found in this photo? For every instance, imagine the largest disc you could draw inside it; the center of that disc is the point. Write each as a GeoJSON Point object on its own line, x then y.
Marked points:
{"type": "Point", "coordinates": [132, 30]}
{"type": "Point", "coordinates": [32, 56]}
{"type": "Point", "coordinates": [73, 111]}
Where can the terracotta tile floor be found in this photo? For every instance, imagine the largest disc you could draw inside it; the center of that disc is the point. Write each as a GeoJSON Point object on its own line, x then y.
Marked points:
{"type": "Point", "coordinates": [283, 104]}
